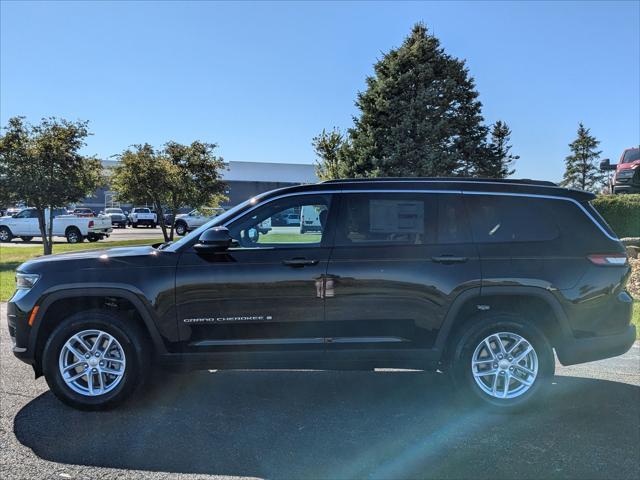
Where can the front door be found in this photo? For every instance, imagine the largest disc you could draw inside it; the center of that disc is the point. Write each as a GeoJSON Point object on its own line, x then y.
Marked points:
{"type": "Point", "coordinates": [265, 292]}
{"type": "Point", "coordinates": [25, 223]}
{"type": "Point", "coordinates": [398, 262]}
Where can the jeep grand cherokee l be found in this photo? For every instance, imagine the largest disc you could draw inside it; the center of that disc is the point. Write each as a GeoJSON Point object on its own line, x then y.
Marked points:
{"type": "Point", "coordinates": [481, 279]}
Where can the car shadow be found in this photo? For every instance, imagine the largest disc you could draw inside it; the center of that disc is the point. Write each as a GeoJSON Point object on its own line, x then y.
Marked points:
{"type": "Point", "coordinates": [295, 424]}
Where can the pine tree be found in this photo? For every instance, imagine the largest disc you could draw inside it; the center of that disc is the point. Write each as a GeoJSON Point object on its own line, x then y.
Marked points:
{"type": "Point", "coordinates": [581, 170]}
{"type": "Point", "coordinates": [419, 116]}
{"type": "Point", "coordinates": [499, 165]}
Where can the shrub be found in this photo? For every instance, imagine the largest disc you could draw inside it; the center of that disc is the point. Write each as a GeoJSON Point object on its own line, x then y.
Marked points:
{"type": "Point", "coordinates": [622, 213]}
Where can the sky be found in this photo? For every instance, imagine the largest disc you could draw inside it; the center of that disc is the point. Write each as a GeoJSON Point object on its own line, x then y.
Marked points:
{"type": "Point", "coordinates": [262, 79]}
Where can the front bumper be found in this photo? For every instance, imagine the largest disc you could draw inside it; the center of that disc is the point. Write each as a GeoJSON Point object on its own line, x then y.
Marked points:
{"type": "Point", "coordinates": [581, 350]}
{"type": "Point", "coordinates": [19, 331]}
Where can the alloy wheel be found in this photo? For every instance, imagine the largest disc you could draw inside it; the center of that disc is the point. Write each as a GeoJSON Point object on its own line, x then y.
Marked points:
{"type": "Point", "coordinates": [92, 362]}
{"type": "Point", "coordinates": [504, 365]}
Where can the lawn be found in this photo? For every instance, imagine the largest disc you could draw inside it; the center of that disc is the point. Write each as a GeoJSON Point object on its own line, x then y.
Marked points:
{"type": "Point", "coordinates": [636, 317]}
{"type": "Point", "coordinates": [12, 257]}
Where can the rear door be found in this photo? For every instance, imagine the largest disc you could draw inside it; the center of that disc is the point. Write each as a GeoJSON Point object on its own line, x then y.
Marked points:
{"type": "Point", "coordinates": [398, 262]}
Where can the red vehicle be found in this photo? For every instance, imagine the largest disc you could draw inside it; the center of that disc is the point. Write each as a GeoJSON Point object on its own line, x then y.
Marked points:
{"type": "Point", "coordinates": [83, 212]}
{"type": "Point", "coordinates": [627, 176]}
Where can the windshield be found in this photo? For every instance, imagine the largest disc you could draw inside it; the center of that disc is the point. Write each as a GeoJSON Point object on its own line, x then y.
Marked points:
{"type": "Point", "coordinates": [113, 210]}
{"type": "Point", "coordinates": [631, 155]}
{"type": "Point", "coordinates": [219, 220]}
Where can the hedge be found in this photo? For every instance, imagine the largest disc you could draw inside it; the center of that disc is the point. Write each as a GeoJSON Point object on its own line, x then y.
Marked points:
{"type": "Point", "coordinates": [622, 213]}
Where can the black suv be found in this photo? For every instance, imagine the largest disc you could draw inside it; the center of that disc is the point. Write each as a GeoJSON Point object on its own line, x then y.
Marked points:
{"type": "Point", "coordinates": [481, 279]}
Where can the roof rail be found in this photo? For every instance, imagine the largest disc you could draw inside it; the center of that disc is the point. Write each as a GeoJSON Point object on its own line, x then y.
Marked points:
{"type": "Point", "coordinates": [516, 181]}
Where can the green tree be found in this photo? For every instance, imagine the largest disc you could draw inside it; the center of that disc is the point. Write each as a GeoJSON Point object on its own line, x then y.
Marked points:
{"type": "Point", "coordinates": [581, 169]}
{"type": "Point", "coordinates": [499, 165]}
{"type": "Point", "coordinates": [175, 177]}
{"type": "Point", "coordinates": [419, 116]}
{"type": "Point", "coordinates": [41, 166]}
{"type": "Point", "coordinates": [198, 176]}
{"type": "Point", "coordinates": [329, 148]}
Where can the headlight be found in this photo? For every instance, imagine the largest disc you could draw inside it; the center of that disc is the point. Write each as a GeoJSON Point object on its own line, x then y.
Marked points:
{"type": "Point", "coordinates": [626, 173]}
{"type": "Point", "coordinates": [25, 281]}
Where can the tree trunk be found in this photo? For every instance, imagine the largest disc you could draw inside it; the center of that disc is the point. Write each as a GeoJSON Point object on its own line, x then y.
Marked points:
{"type": "Point", "coordinates": [160, 215]}
{"type": "Point", "coordinates": [42, 224]}
{"type": "Point", "coordinates": [50, 230]}
{"type": "Point", "coordinates": [174, 212]}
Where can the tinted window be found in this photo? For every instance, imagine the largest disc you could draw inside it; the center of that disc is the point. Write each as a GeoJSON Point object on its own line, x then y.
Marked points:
{"type": "Point", "coordinates": [28, 213]}
{"type": "Point", "coordinates": [510, 219]}
{"type": "Point", "coordinates": [265, 227]}
{"type": "Point", "coordinates": [142, 210]}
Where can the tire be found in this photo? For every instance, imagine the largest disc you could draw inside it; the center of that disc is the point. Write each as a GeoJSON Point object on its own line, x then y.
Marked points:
{"type": "Point", "coordinates": [134, 224]}
{"type": "Point", "coordinates": [302, 231]}
{"type": "Point", "coordinates": [74, 236]}
{"type": "Point", "coordinates": [181, 228]}
{"type": "Point", "coordinates": [129, 354]}
{"type": "Point", "coordinates": [5, 235]}
{"type": "Point", "coordinates": [153, 225]}
{"type": "Point", "coordinates": [26, 238]}
{"type": "Point", "coordinates": [489, 389]}
{"type": "Point", "coordinates": [93, 238]}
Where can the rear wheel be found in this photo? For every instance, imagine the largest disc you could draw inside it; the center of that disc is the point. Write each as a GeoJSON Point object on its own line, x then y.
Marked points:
{"type": "Point", "coordinates": [503, 362]}
{"type": "Point", "coordinates": [134, 224]}
{"type": "Point", "coordinates": [26, 239]}
{"type": "Point", "coordinates": [95, 359]}
{"type": "Point", "coordinates": [5, 234]}
{"type": "Point", "coordinates": [93, 238]}
{"type": "Point", "coordinates": [74, 236]}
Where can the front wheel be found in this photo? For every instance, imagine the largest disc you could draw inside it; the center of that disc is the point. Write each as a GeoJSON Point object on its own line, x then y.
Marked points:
{"type": "Point", "coordinates": [95, 359]}
{"type": "Point", "coordinates": [181, 228]}
{"type": "Point", "coordinates": [503, 362]}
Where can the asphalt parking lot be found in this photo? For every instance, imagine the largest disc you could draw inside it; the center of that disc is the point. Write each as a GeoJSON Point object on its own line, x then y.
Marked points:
{"type": "Point", "coordinates": [292, 424]}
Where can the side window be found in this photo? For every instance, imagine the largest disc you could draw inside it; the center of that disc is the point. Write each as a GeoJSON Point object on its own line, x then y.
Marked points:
{"type": "Point", "coordinates": [386, 219]}
{"type": "Point", "coordinates": [286, 222]}
{"type": "Point", "coordinates": [28, 213]}
{"type": "Point", "coordinates": [510, 219]}
{"type": "Point", "coordinates": [453, 226]}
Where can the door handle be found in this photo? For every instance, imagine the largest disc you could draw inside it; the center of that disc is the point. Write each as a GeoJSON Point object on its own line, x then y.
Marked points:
{"type": "Point", "coordinates": [299, 262]}
{"type": "Point", "coordinates": [448, 259]}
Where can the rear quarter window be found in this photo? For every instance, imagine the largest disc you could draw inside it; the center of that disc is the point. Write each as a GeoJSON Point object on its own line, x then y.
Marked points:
{"type": "Point", "coordinates": [496, 219]}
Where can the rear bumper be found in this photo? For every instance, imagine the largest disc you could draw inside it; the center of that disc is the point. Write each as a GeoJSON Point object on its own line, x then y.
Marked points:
{"type": "Point", "coordinates": [581, 350]}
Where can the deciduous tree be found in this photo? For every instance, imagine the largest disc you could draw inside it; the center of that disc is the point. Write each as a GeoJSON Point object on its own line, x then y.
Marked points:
{"type": "Point", "coordinates": [41, 166]}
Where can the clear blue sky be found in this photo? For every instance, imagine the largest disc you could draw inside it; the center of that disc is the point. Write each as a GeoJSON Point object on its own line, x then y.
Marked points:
{"type": "Point", "coordinates": [261, 79]}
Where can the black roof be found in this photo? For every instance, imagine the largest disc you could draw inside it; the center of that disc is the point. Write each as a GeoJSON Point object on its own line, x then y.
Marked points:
{"type": "Point", "coordinates": [513, 186]}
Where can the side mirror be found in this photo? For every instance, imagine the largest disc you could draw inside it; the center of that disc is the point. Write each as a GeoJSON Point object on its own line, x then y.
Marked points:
{"type": "Point", "coordinates": [213, 240]}
{"type": "Point", "coordinates": [605, 165]}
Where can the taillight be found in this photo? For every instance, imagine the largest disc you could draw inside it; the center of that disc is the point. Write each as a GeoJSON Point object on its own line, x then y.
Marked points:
{"type": "Point", "coordinates": [608, 259]}
{"type": "Point", "coordinates": [90, 223]}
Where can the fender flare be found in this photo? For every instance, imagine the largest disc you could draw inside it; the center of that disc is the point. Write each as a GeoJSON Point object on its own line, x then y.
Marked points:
{"type": "Point", "coordinates": [75, 291]}
{"type": "Point", "coordinates": [479, 293]}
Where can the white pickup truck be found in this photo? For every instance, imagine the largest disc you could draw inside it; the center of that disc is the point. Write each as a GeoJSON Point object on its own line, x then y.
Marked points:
{"type": "Point", "coordinates": [142, 216]}
{"type": "Point", "coordinates": [75, 229]}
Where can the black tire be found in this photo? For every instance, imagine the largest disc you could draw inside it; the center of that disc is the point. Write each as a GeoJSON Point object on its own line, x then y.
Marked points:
{"type": "Point", "coordinates": [5, 235]}
{"type": "Point", "coordinates": [130, 336]}
{"type": "Point", "coordinates": [93, 238]}
{"type": "Point", "coordinates": [181, 228]}
{"type": "Point", "coordinates": [302, 231]}
{"type": "Point", "coordinates": [134, 224]}
{"type": "Point", "coordinates": [153, 225]}
{"type": "Point", "coordinates": [471, 337]}
{"type": "Point", "coordinates": [26, 238]}
{"type": "Point", "coordinates": [73, 235]}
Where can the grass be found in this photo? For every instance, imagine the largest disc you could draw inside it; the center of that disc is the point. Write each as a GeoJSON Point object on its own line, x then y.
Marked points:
{"type": "Point", "coordinates": [12, 257]}
{"type": "Point", "coordinates": [635, 319]}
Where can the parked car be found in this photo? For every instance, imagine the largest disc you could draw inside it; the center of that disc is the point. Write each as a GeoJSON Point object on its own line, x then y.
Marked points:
{"type": "Point", "coordinates": [118, 217]}
{"type": "Point", "coordinates": [197, 217]}
{"type": "Point", "coordinates": [291, 219]}
{"type": "Point", "coordinates": [76, 229]}
{"type": "Point", "coordinates": [11, 211]}
{"type": "Point", "coordinates": [627, 172]}
{"type": "Point", "coordinates": [83, 212]}
{"type": "Point", "coordinates": [311, 219]}
{"type": "Point", "coordinates": [480, 279]}
{"type": "Point", "coordinates": [142, 216]}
